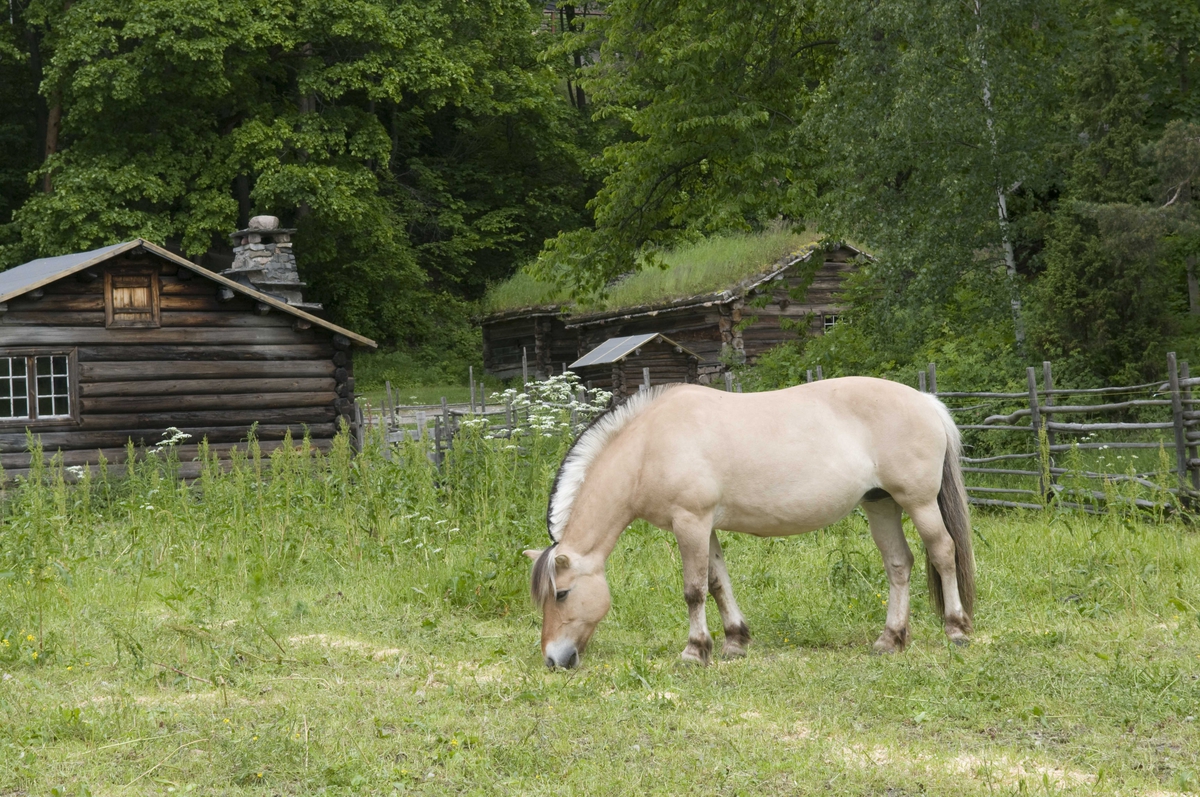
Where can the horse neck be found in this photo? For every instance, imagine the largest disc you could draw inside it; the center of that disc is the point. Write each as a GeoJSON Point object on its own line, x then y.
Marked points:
{"type": "Point", "coordinates": [603, 506]}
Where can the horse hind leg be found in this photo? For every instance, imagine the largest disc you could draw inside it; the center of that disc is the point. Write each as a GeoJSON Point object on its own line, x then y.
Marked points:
{"type": "Point", "coordinates": [737, 634]}
{"type": "Point", "coordinates": [940, 554]}
{"type": "Point", "coordinates": [883, 516]}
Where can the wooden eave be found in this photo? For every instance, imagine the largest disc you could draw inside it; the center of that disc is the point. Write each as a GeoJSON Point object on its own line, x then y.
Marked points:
{"type": "Point", "coordinates": [553, 311]}
{"type": "Point", "coordinates": [141, 243]}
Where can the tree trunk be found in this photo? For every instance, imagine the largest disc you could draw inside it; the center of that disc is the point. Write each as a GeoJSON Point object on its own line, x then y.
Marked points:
{"type": "Point", "coordinates": [1193, 286]}
{"type": "Point", "coordinates": [34, 42]}
{"type": "Point", "coordinates": [53, 123]}
{"type": "Point", "coordinates": [574, 90]}
{"type": "Point", "coordinates": [1010, 262]}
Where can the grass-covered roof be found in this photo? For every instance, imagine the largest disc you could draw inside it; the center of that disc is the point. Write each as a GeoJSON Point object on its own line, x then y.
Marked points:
{"type": "Point", "coordinates": [708, 266]}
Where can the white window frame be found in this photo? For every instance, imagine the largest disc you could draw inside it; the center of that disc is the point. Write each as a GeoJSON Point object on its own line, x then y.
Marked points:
{"type": "Point", "coordinates": [33, 394]}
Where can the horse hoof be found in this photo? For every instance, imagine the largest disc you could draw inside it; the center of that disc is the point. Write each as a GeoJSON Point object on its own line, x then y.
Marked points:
{"type": "Point", "coordinates": [961, 642]}
{"type": "Point", "coordinates": [890, 642]}
{"type": "Point", "coordinates": [729, 651]}
{"type": "Point", "coordinates": [698, 651]}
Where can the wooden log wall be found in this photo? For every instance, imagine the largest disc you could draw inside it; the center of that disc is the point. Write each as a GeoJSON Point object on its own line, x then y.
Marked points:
{"type": "Point", "coordinates": [216, 366]}
{"type": "Point", "coordinates": [541, 334]}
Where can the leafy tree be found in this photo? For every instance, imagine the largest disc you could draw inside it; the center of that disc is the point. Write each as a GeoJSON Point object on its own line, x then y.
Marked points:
{"type": "Point", "coordinates": [712, 94]}
{"type": "Point", "coordinates": [420, 146]}
{"type": "Point", "coordinates": [1103, 301]}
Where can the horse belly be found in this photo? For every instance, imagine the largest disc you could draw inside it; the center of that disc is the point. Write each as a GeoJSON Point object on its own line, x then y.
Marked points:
{"type": "Point", "coordinates": [784, 513]}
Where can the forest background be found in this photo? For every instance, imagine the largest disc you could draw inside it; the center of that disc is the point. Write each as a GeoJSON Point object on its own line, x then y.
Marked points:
{"type": "Point", "coordinates": [1023, 171]}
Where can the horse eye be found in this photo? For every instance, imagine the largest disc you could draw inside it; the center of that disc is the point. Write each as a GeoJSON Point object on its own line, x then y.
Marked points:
{"type": "Point", "coordinates": [561, 595]}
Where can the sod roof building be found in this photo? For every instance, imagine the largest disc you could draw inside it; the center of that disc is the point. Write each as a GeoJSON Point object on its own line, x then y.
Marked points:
{"type": "Point", "coordinates": [795, 296]}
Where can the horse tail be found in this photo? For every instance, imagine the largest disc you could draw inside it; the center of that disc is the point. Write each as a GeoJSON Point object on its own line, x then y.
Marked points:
{"type": "Point", "coordinates": [952, 501]}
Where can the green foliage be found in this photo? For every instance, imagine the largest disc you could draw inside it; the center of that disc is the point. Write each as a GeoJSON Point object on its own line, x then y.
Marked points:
{"type": "Point", "coordinates": [706, 155]}
{"type": "Point", "coordinates": [1103, 306]}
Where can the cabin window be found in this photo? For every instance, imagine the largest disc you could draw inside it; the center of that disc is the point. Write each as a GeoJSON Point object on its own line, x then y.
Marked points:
{"type": "Point", "coordinates": [131, 299]}
{"type": "Point", "coordinates": [828, 321]}
{"type": "Point", "coordinates": [37, 385]}
{"type": "Point", "coordinates": [14, 387]}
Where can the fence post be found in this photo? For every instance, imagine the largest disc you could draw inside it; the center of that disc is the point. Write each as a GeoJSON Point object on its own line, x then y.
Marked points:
{"type": "Point", "coordinates": [729, 381]}
{"type": "Point", "coordinates": [422, 419]}
{"type": "Point", "coordinates": [447, 433]}
{"type": "Point", "coordinates": [820, 373]}
{"type": "Point", "coordinates": [482, 398]}
{"type": "Point", "coordinates": [1035, 416]}
{"type": "Point", "coordinates": [933, 379]}
{"type": "Point", "coordinates": [645, 378]}
{"type": "Point", "coordinates": [471, 379]}
{"type": "Point", "coordinates": [524, 368]}
{"type": "Point", "coordinates": [1181, 453]}
{"type": "Point", "coordinates": [1191, 450]}
{"type": "Point", "coordinates": [391, 407]}
{"type": "Point", "coordinates": [808, 375]}
{"type": "Point", "coordinates": [921, 381]}
{"type": "Point", "coordinates": [357, 429]}
{"type": "Point", "coordinates": [437, 442]}
{"type": "Point", "coordinates": [1048, 385]}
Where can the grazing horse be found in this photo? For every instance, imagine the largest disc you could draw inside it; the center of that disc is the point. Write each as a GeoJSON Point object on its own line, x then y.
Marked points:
{"type": "Point", "coordinates": [693, 460]}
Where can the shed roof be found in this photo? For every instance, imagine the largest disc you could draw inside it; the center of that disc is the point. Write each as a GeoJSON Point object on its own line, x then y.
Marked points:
{"type": "Point", "coordinates": [616, 349]}
{"type": "Point", "coordinates": [36, 273]}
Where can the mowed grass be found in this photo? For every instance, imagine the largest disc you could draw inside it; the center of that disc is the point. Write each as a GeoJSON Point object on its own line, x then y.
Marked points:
{"type": "Point", "coordinates": [360, 626]}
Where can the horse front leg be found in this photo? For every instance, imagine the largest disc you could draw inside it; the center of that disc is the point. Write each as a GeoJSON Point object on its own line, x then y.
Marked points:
{"type": "Point", "coordinates": [737, 634]}
{"type": "Point", "coordinates": [884, 518]}
{"type": "Point", "coordinates": [693, 533]}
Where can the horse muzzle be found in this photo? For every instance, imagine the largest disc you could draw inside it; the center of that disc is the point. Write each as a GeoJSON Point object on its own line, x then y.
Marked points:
{"type": "Point", "coordinates": [562, 654]}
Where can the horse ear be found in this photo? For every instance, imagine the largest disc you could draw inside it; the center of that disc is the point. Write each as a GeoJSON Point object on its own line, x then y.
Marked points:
{"type": "Point", "coordinates": [562, 561]}
{"type": "Point", "coordinates": [533, 554]}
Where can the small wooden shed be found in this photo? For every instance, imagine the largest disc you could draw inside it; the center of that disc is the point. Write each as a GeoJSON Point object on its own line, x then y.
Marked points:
{"type": "Point", "coordinates": [120, 343]}
{"type": "Point", "coordinates": [621, 365]}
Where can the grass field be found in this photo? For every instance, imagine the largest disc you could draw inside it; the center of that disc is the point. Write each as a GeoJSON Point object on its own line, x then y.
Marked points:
{"type": "Point", "coordinates": [362, 627]}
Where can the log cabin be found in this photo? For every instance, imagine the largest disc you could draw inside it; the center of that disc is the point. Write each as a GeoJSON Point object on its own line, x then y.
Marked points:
{"type": "Point", "coordinates": [122, 343]}
{"type": "Point", "coordinates": [791, 298]}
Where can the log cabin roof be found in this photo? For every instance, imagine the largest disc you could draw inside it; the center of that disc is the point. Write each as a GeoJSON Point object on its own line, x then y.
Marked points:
{"type": "Point", "coordinates": [742, 288]}
{"type": "Point", "coordinates": [616, 349]}
{"type": "Point", "coordinates": [37, 273]}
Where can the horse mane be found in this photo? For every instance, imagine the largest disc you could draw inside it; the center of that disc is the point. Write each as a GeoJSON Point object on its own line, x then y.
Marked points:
{"type": "Point", "coordinates": [585, 450]}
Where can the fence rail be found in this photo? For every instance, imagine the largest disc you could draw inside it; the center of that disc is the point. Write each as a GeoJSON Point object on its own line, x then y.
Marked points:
{"type": "Point", "coordinates": [1164, 418]}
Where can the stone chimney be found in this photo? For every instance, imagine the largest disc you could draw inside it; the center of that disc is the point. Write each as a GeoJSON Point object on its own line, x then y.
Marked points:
{"type": "Point", "coordinates": [263, 260]}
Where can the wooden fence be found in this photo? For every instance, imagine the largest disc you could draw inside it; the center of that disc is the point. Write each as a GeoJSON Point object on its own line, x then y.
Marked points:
{"type": "Point", "coordinates": [1028, 449]}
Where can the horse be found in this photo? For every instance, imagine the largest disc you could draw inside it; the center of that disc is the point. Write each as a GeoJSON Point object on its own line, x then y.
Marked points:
{"type": "Point", "coordinates": [692, 460]}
